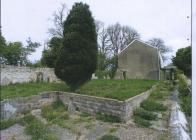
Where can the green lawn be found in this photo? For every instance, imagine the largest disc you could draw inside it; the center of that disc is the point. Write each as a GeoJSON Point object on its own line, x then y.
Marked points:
{"type": "Point", "coordinates": [116, 89]}
{"type": "Point", "coordinates": [28, 89]}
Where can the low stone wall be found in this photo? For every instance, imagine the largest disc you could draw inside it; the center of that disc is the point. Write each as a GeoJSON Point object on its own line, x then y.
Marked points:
{"type": "Point", "coordinates": [85, 103]}
{"type": "Point", "coordinates": [10, 108]}
{"type": "Point", "coordinates": [17, 74]}
{"type": "Point", "coordinates": [91, 104]}
{"type": "Point", "coordinates": [134, 102]}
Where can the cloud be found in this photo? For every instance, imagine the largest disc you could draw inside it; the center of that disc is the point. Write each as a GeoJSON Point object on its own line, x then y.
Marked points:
{"type": "Point", "coordinates": [164, 19]}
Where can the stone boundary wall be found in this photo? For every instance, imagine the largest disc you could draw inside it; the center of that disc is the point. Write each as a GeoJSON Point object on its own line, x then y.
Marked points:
{"type": "Point", "coordinates": [85, 103]}
{"type": "Point", "coordinates": [135, 101]}
{"type": "Point", "coordinates": [16, 74]}
{"type": "Point", "coordinates": [10, 108]}
{"type": "Point", "coordinates": [92, 104]}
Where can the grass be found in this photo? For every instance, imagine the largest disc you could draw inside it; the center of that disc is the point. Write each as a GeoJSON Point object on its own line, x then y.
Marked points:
{"type": "Point", "coordinates": [28, 89]}
{"type": "Point", "coordinates": [145, 114]}
{"type": "Point", "coordinates": [55, 111]}
{"type": "Point", "coordinates": [141, 122]}
{"type": "Point", "coordinates": [152, 105]}
{"type": "Point", "coordinates": [107, 118]}
{"type": "Point", "coordinates": [186, 104]}
{"type": "Point", "coordinates": [7, 123]}
{"type": "Point", "coordinates": [37, 129]}
{"type": "Point", "coordinates": [109, 137]}
{"type": "Point", "coordinates": [184, 95]}
{"type": "Point", "coordinates": [116, 89]}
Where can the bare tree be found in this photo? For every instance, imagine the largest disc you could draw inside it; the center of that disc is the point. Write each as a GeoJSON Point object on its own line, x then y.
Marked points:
{"type": "Point", "coordinates": [128, 35]}
{"type": "Point", "coordinates": [121, 36]}
{"type": "Point", "coordinates": [58, 21]}
{"type": "Point", "coordinates": [160, 44]}
{"type": "Point", "coordinates": [114, 33]}
{"type": "Point", "coordinates": [102, 38]}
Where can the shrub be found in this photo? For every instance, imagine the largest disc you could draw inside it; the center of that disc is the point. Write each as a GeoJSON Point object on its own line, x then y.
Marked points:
{"type": "Point", "coordinates": [107, 118]}
{"type": "Point", "coordinates": [109, 137]}
{"type": "Point", "coordinates": [151, 105]}
{"type": "Point", "coordinates": [141, 122]}
{"type": "Point", "coordinates": [145, 114]}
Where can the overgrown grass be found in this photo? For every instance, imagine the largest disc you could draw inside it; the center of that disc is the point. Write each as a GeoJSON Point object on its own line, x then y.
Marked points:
{"type": "Point", "coordinates": [7, 123]}
{"type": "Point", "coordinates": [162, 91]}
{"type": "Point", "coordinates": [184, 95]}
{"type": "Point", "coordinates": [56, 113]}
{"type": "Point", "coordinates": [116, 89]}
{"type": "Point", "coordinates": [152, 105]}
{"type": "Point", "coordinates": [186, 104]}
{"type": "Point", "coordinates": [37, 129]}
{"type": "Point", "coordinates": [107, 118]}
{"type": "Point", "coordinates": [28, 89]}
{"type": "Point", "coordinates": [56, 110]}
{"type": "Point", "coordinates": [141, 122]}
{"type": "Point", "coordinates": [145, 114]}
{"type": "Point", "coordinates": [109, 137]}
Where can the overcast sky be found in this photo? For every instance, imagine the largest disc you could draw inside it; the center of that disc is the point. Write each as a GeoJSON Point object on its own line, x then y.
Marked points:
{"type": "Point", "coordinates": [166, 19]}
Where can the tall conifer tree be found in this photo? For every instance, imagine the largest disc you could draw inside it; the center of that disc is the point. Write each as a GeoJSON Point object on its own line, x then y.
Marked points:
{"type": "Point", "coordinates": [78, 57]}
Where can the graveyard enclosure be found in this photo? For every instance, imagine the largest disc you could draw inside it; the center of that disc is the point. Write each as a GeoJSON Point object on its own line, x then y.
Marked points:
{"type": "Point", "coordinates": [90, 104]}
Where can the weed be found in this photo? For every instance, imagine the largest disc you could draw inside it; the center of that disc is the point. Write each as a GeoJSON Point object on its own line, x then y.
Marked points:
{"type": "Point", "coordinates": [145, 114]}
{"type": "Point", "coordinates": [88, 125]}
{"type": "Point", "coordinates": [7, 123]}
{"type": "Point", "coordinates": [152, 105]}
{"type": "Point", "coordinates": [26, 111]}
{"type": "Point", "coordinates": [113, 129]}
{"type": "Point", "coordinates": [37, 129]}
{"type": "Point", "coordinates": [54, 111]}
{"type": "Point", "coordinates": [107, 118]}
{"type": "Point", "coordinates": [141, 122]}
{"type": "Point", "coordinates": [58, 104]}
{"type": "Point", "coordinates": [186, 104]}
{"type": "Point", "coordinates": [84, 114]}
{"type": "Point", "coordinates": [109, 137]}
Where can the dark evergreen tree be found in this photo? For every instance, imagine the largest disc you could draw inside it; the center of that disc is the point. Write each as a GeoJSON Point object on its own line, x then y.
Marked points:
{"type": "Point", "coordinates": [78, 56]}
